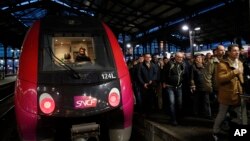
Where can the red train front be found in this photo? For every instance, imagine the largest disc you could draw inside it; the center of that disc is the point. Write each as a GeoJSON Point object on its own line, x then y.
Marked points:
{"type": "Point", "coordinates": [61, 98]}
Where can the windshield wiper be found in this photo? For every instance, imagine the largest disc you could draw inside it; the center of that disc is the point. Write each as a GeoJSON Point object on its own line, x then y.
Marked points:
{"type": "Point", "coordinates": [69, 69]}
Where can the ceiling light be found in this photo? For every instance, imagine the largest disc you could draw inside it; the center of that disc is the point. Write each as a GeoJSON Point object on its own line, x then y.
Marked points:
{"type": "Point", "coordinates": [197, 28]}
{"type": "Point", "coordinates": [185, 27]}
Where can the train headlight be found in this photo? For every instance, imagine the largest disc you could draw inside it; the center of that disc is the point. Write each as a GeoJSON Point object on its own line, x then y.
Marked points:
{"type": "Point", "coordinates": [46, 103]}
{"type": "Point", "coordinates": [114, 97]}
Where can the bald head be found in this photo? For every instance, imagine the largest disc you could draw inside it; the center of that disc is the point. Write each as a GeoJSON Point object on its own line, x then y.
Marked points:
{"type": "Point", "coordinates": [179, 57]}
{"type": "Point", "coordinates": [220, 51]}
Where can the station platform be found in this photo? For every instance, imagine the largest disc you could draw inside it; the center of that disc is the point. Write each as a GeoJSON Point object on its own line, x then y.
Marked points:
{"type": "Point", "coordinates": [8, 79]}
{"type": "Point", "coordinates": [7, 86]}
{"type": "Point", "coordinates": [156, 127]}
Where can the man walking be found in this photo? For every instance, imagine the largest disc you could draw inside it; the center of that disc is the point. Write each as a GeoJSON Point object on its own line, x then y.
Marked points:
{"type": "Point", "coordinates": [230, 78]}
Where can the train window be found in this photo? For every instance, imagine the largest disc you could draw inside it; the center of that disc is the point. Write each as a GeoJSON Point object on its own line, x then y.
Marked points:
{"type": "Point", "coordinates": [77, 53]}
{"type": "Point", "coordinates": [74, 50]}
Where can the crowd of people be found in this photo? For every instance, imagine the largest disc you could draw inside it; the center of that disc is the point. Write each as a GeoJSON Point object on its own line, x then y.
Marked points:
{"type": "Point", "coordinates": [206, 86]}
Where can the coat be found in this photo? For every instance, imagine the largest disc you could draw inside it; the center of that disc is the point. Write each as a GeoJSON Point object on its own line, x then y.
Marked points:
{"type": "Point", "coordinates": [146, 74]}
{"type": "Point", "coordinates": [229, 83]}
{"type": "Point", "coordinates": [198, 78]}
{"type": "Point", "coordinates": [211, 73]}
{"type": "Point", "coordinates": [173, 73]}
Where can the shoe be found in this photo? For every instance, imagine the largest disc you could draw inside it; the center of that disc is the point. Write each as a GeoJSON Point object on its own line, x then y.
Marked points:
{"type": "Point", "coordinates": [215, 137]}
{"type": "Point", "coordinates": [174, 123]}
{"type": "Point", "coordinates": [225, 126]}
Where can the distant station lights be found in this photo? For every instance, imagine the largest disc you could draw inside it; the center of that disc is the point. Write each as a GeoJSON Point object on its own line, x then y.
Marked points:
{"type": "Point", "coordinates": [128, 45]}
{"type": "Point", "coordinates": [191, 38]}
{"type": "Point", "coordinates": [186, 27]}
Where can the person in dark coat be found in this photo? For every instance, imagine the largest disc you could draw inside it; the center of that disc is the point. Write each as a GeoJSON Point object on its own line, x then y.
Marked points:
{"type": "Point", "coordinates": [200, 89]}
{"type": "Point", "coordinates": [172, 81]}
{"type": "Point", "coordinates": [147, 76]}
{"type": "Point", "coordinates": [137, 87]}
{"type": "Point", "coordinates": [82, 55]}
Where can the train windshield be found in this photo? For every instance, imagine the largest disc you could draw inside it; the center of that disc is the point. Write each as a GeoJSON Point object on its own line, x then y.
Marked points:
{"type": "Point", "coordinates": [78, 53]}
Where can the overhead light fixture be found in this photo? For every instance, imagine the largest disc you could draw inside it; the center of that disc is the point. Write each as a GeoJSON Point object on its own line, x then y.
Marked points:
{"type": "Point", "coordinates": [128, 45]}
{"type": "Point", "coordinates": [197, 28]}
{"type": "Point", "coordinates": [185, 27]}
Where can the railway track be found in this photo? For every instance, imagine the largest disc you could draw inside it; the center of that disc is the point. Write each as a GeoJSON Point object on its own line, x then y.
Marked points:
{"type": "Point", "coordinates": [6, 98]}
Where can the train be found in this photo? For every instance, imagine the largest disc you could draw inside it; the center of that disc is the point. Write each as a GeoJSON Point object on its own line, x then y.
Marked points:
{"type": "Point", "coordinates": [59, 98]}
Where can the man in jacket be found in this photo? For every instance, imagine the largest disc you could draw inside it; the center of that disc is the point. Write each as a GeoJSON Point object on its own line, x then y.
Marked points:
{"type": "Point", "coordinates": [199, 88]}
{"type": "Point", "coordinates": [230, 79]}
{"type": "Point", "coordinates": [172, 80]}
{"type": "Point", "coordinates": [211, 78]}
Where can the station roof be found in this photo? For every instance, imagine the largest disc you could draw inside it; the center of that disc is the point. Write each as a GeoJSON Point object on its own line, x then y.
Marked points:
{"type": "Point", "coordinates": [144, 20]}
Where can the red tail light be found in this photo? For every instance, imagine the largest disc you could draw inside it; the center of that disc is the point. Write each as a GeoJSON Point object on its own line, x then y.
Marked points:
{"type": "Point", "coordinates": [46, 103]}
{"type": "Point", "coordinates": [114, 97]}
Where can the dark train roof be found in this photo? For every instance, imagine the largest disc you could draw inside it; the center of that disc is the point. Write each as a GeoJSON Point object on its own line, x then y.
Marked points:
{"type": "Point", "coordinates": [144, 20]}
{"type": "Point", "coordinates": [80, 24]}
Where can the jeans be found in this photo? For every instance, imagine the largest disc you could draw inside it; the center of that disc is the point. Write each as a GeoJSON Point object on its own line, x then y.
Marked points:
{"type": "Point", "coordinates": [201, 104]}
{"type": "Point", "coordinates": [175, 101]}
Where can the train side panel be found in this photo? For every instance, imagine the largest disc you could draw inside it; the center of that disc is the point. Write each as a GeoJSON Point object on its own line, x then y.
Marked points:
{"type": "Point", "coordinates": [26, 85]}
{"type": "Point", "coordinates": [125, 82]}
{"type": "Point", "coordinates": [126, 90]}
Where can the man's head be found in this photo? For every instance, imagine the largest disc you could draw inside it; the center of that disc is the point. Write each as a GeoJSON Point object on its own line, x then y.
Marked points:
{"type": "Point", "coordinates": [233, 51]}
{"type": "Point", "coordinates": [215, 52]}
{"type": "Point", "coordinates": [165, 60]}
{"type": "Point", "coordinates": [220, 51]}
{"type": "Point", "coordinates": [179, 57]}
{"type": "Point", "coordinates": [141, 59]}
{"type": "Point", "coordinates": [198, 58]}
{"type": "Point", "coordinates": [208, 55]}
{"type": "Point", "coordinates": [82, 51]}
{"type": "Point", "coordinates": [242, 51]}
{"type": "Point", "coordinates": [147, 57]}
{"type": "Point", "coordinates": [155, 58]}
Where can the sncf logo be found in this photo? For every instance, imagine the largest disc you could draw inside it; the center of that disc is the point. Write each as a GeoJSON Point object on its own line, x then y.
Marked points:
{"type": "Point", "coordinates": [82, 102]}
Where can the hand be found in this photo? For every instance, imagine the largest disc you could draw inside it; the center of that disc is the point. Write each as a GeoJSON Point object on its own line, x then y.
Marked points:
{"type": "Point", "coordinates": [164, 85]}
{"type": "Point", "coordinates": [192, 89]}
{"type": "Point", "coordinates": [146, 85]}
{"type": "Point", "coordinates": [238, 71]}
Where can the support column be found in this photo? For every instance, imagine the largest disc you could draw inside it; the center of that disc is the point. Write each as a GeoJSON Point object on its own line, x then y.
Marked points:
{"type": "Point", "coordinates": [150, 47]}
{"type": "Point", "coordinates": [133, 47]}
{"type": "Point", "coordinates": [124, 44]}
{"type": "Point", "coordinates": [5, 59]}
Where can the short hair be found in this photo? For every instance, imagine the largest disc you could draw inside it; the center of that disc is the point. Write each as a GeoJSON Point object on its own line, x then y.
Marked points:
{"type": "Point", "coordinates": [229, 48]}
{"type": "Point", "coordinates": [179, 53]}
{"type": "Point", "coordinates": [146, 54]}
{"type": "Point", "coordinates": [217, 47]}
{"type": "Point", "coordinates": [214, 50]}
{"type": "Point", "coordinates": [198, 54]}
{"type": "Point", "coordinates": [81, 48]}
